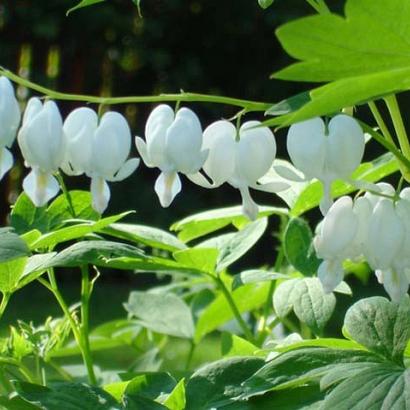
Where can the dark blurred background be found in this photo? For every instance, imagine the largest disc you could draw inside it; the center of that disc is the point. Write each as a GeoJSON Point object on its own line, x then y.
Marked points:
{"type": "Point", "coordinates": [215, 47]}
{"type": "Point", "coordinates": [205, 46]}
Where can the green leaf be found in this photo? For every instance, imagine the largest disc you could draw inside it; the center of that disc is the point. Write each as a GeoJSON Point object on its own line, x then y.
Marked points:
{"type": "Point", "coordinates": [265, 3]}
{"type": "Point", "coordinates": [83, 3]}
{"type": "Point", "coordinates": [307, 195]}
{"type": "Point", "coordinates": [232, 345]}
{"type": "Point", "coordinates": [302, 398]}
{"type": "Point", "coordinates": [147, 235]}
{"type": "Point", "coordinates": [289, 105]}
{"type": "Point", "coordinates": [75, 231]}
{"type": "Point", "coordinates": [11, 246]}
{"type": "Point", "coordinates": [34, 268]}
{"type": "Point", "coordinates": [25, 216]}
{"type": "Point", "coordinates": [141, 403]}
{"type": "Point", "coordinates": [255, 276]}
{"type": "Point", "coordinates": [381, 326]}
{"type": "Point", "coordinates": [298, 246]}
{"type": "Point", "coordinates": [380, 387]}
{"type": "Point", "coordinates": [11, 273]}
{"type": "Point", "coordinates": [151, 385]}
{"type": "Point", "coordinates": [215, 384]}
{"type": "Point", "coordinates": [16, 403]}
{"type": "Point", "coordinates": [307, 299]}
{"type": "Point", "coordinates": [162, 313]}
{"type": "Point", "coordinates": [92, 252]}
{"type": "Point", "coordinates": [240, 243]}
{"type": "Point", "coordinates": [328, 48]}
{"type": "Point", "coordinates": [301, 366]}
{"type": "Point", "coordinates": [198, 258]}
{"type": "Point", "coordinates": [176, 399]}
{"type": "Point", "coordinates": [206, 222]}
{"type": "Point", "coordinates": [70, 396]}
{"type": "Point", "coordinates": [218, 312]}
{"type": "Point", "coordinates": [59, 210]}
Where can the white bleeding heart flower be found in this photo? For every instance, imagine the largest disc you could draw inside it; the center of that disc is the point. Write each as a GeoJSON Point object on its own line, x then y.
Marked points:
{"type": "Point", "coordinates": [339, 238]}
{"type": "Point", "coordinates": [10, 116]}
{"type": "Point", "coordinates": [241, 162]}
{"type": "Point", "coordinates": [326, 153]}
{"type": "Point", "coordinates": [173, 143]}
{"type": "Point", "coordinates": [99, 149]}
{"type": "Point", "coordinates": [41, 141]}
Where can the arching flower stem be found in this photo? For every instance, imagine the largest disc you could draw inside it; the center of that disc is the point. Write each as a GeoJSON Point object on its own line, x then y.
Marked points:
{"type": "Point", "coordinates": [181, 97]}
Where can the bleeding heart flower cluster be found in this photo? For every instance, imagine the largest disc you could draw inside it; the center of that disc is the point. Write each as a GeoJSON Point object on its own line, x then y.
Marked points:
{"type": "Point", "coordinates": [375, 227]}
{"type": "Point", "coordinates": [174, 143]}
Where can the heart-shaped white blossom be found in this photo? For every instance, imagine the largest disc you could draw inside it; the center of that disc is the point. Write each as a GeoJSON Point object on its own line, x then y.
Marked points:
{"type": "Point", "coordinates": [41, 142]}
{"type": "Point", "coordinates": [99, 149]}
{"type": "Point", "coordinates": [326, 153]}
{"type": "Point", "coordinates": [173, 144]}
{"type": "Point", "coordinates": [241, 161]}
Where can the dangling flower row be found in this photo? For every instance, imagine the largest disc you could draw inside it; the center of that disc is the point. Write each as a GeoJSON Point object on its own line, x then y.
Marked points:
{"type": "Point", "coordinates": [174, 143]}
{"type": "Point", "coordinates": [376, 227]}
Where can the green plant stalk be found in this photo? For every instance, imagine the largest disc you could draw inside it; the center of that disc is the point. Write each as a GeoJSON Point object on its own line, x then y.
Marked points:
{"type": "Point", "coordinates": [380, 122]}
{"type": "Point", "coordinates": [78, 336]}
{"type": "Point", "coordinates": [234, 308]}
{"type": "Point", "coordinates": [268, 303]}
{"type": "Point", "coordinates": [386, 144]}
{"type": "Point", "coordinates": [20, 366]}
{"type": "Point", "coordinates": [319, 5]}
{"type": "Point", "coordinates": [85, 314]}
{"type": "Point", "coordinates": [182, 97]}
{"type": "Point", "coordinates": [394, 110]}
{"type": "Point", "coordinates": [66, 193]}
{"type": "Point", "coordinates": [4, 302]}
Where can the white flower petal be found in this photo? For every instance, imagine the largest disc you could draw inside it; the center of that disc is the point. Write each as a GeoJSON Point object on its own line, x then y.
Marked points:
{"type": "Point", "coordinates": [327, 201]}
{"type": "Point", "coordinates": [10, 114]}
{"type": "Point", "coordinates": [345, 146]}
{"type": "Point", "coordinates": [338, 229]}
{"type": "Point", "coordinates": [40, 187]}
{"type": "Point", "coordinates": [79, 128]}
{"type": "Point", "coordinates": [127, 169]}
{"type": "Point", "coordinates": [306, 144]}
{"type": "Point", "coordinates": [396, 284]}
{"type": "Point", "coordinates": [385, 235]}
{"type": "Point", "coordinates": [200, 180]}
{"type": "Point", "coordinates": [255, 152]}
{"type": "Point", "coordinates": [142, 150]}
{"type": "Point", "coordinates": [249, 208]}
{"type": "Point", "coordinates": [100, 192]}
{"type": "Point", "coordinates": [156, 128]}
{"type": "Point", "coordinates": [289, 174]}
{"type": "Point", "coordinates": [184, 142]}
{"type": "Point", "coordinates": [167, 186]}
{"type": "Point", "coordinates": [330, 274]}
{"type": "Point", "coordinates": [6, 162]}
{"type": "Point", "coordinates": [272, 187]}
{"type": "Point", "coordinates": [219, 138]}
{"type": "Point", "coordinates": [111, 145]}
{"type": "Point", "coordinates": [41, 137]}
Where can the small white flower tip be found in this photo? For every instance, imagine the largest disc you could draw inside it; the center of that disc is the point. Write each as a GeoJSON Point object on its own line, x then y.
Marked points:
{"type": "Point", "coordinates": [100, 193]}
{"type": "Point", "coordinates": [167, 187]}
{"type": "Point", "coordinates": [40, 187]}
